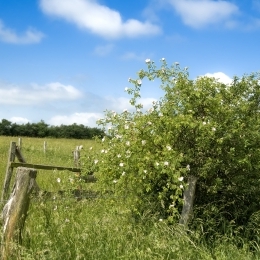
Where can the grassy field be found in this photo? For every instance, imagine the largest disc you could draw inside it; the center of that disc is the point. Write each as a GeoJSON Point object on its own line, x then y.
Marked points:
{"type": "Point", "coordinates": [61, 227]}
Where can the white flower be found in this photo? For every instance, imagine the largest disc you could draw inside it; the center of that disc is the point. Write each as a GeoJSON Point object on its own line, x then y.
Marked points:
{"type": "Point", "coordinates": [204, 123]}
{"type": "Point", "coordinates": [213, 129]}
{"type": "Point", "coordinates": [126, 126]}
{"type": "Point", "coordinates": [145, 171]}
{"type": "Point", "coordinates": [121, 164]}
{"type": "Point", "coordinates": [119, 155]}
{"type": "Point", "coordinates": [149, 123]}
{"type": "Point", "coordinates": [102, 151]}
{"type": "Point", "coordinates": [188, 167]}
{"type": "Point", "coordinates": [127, 143]}
{"type": "Point", "coordinates": [58, 180]}
{"type": "Point", "coordinates": [147, 61]}
{"type": "Point", "coordinates": [181, 186]}
{"type": "Point", "coordinates": [168, 147]}
{"type": "Point", "coordinates": [180, 178]}
{"type": "Point", "coordinates": [126, 89]}
{"type": "Point", "coordinates": [55, 208]}
{"type": "Point", "coordinates": [160, 219]}
{"type": "Point", "coordinates": [139, 82]}
{"type": "Point", "coordinates": [123, 173]}
{"type": "Point", "coordinates": [90, 148]}
{"type": "Point", "coordinates": [143, 142]}
{"type": "Point", "coordinates": [166, 163]}
{"type": "Point", "coordinates": [157, 164]}
{"type": "Point", "coordinates": [114, 181]}
{"type": "Point", "coordinates": [96, 161]}
{"type": "Point", "coordinates": [171, 206]}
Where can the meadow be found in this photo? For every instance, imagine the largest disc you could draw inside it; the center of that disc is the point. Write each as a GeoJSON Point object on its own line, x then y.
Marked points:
{"type": "Point", "coordinates": [62, 227]}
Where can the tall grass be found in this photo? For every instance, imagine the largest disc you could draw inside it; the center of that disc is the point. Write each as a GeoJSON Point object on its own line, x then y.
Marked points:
{"type": "Point", "coordinates": [62, 227]}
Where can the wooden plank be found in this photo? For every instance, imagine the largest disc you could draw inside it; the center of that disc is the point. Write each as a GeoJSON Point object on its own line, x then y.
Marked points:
{"type": "Point", "coordinates": [19, 155]}
{"type": "Point", "coordinates": [44, 167]}
{"type": "Point", "coordinates": [9, 170]}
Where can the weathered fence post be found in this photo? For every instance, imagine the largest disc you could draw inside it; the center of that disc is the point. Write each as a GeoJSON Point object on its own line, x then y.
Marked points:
{"type": "Point", "coordinates": [9, 170]}
{"type": "Point", "coordinates": [76, 155]}
{"type": "Point", "coordinates": [189, 195]}
{"type": "Point", "coordinates": [15, 210]}
{"type": "Point", "coordinates": [20, 142]}
{"type": "Point", "coordinates": [44, 146]}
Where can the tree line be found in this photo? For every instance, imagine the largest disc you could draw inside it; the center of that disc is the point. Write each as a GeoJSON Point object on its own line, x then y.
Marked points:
{"type": "Point", "coordinates": [41, 129]}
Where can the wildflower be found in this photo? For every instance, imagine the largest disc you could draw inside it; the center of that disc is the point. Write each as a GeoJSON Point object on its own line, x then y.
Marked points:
{"type": "Point", "coordinates": [126, 127]}
{"type": "Point", "coordinates": [119, 155]}
{"type": "Point", "coordinates": [96, 161]}
{"type": "Point", "coordinates": [55, 208]}
{"type": "Point", "coordinates": [180, 178]}
{"type": "Point", "coordinates": [143, 142]}
{"type": "Point", "coordinates": [123, 173]}
{"type": "Point", "coordinates": [90, 148]}
{"type": "Point", "coordinates": [127, 143]}
{"type": "Point", "coordinates": [171, 206]}
{"type": "Point", "coordinates": [166, 163]}
{"type": "Point", "coordinates": [157, 164]}
{"type": "Point", "coordinates": [204, 123]}
{"type": "Point", "coordinates": [213, 129]}
{"type": "Point", "coordinates": [188, 167]}
{"type": "Point", "coordinates": [145, 171]}
{"type": "Point", "coordinates": [67, 220]}
{"type": "Point", "coordinates": [121, 164]}
{"type": "Point", "coordinates": [102, 151]}
{"type": "Point", "coordinates": [181, 186]}
{"type": "Point", "coordinates": [139, 82]}
{"type": "Point", "coordinates": [147, 61]}
{"type": "Point", "coordinates": [58, 180]}
{"type": "Point", "coordinates": [160, 219]}
{"type": "Point", "coordinates": [114, 181]}
{"type": "Point", "coordinates": [168, 147]}
{"type": "Point", "coordinates": [149, 123]}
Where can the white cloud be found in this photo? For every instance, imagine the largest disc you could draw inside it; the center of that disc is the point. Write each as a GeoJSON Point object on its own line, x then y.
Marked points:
{"type": "Point", "coordinates": [97, 18]}
{"type": "Point", "coordinates": [200, 13]}
{"type": "Point", "coordinates": [10, 36]}
{"type": "Point", "coordinates": [19, 120]}
{"type": "Point", "coordinates": [220, 76]}
{"type": "Point", "coordinates": [104, 49]}
{"type": "Point", "coordinates": [88, 119]}
{"type": "Point", "coordinates": [37, 94]}
{"type": "Point", "coordinates": [122, 103]}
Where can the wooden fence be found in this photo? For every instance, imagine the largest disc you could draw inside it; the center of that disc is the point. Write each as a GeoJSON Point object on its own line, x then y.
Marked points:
{"type": "Point", "coordinates": [15, 210]}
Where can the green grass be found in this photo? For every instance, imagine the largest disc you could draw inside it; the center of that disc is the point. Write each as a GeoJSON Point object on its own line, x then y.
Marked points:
{"type": "Point", "coordinates": [60, 227]}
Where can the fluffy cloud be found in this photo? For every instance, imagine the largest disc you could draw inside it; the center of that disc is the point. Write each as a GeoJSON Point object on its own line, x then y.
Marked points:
{"type": "Point", "coordinates": [37, 94]}
{"type": "Point", "coordinates": [97, 18]}
{"type": "Point", "coordinates": [19, 120]}
{"type": "Point", "coordinates": [10, 36]}
{"type": "Point", "coordinates": [220, 76]}
{"type": "Point", "coordinates": [200, 13]}
{"type": "Point", "coordinates": [88, 119]}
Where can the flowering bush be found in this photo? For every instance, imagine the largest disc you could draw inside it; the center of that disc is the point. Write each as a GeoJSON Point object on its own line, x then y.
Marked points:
{"type": "Point", "coordinates": [200, 128]}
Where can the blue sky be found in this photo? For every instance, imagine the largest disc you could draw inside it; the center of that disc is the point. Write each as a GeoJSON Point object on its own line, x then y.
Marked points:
{"type": "Point", "coordinates": [66, 61]}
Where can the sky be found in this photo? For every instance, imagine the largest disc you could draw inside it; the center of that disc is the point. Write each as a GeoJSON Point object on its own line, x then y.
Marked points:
{"type": "Point", "coordinates": [67, 61]}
